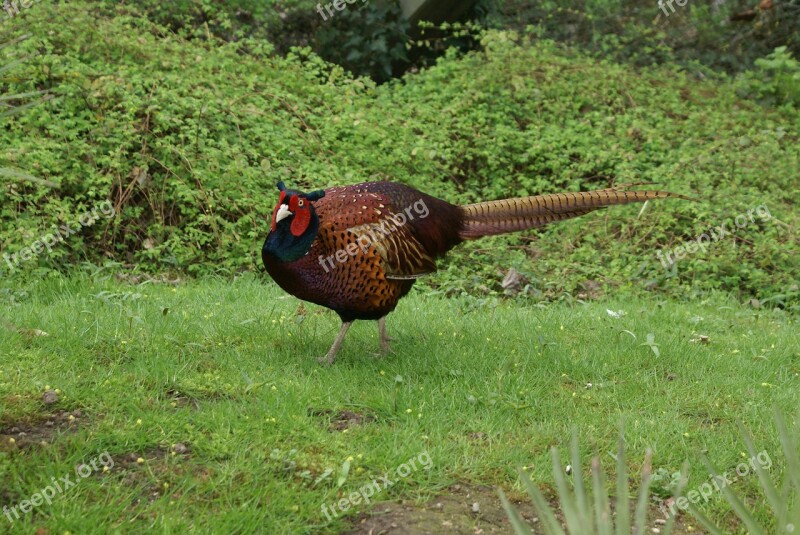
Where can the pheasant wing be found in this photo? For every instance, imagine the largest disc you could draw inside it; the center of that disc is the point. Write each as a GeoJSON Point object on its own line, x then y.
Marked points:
{"type": "Point", "coordinates": [401, 254]}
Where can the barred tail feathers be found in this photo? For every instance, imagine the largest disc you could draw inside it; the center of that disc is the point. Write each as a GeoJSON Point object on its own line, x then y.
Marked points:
{"type": "Point", "coordinates": [509, 215]}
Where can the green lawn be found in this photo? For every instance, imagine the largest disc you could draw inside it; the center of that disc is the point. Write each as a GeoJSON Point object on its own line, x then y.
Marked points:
{"type": "Point", "coordinates": [227, 371]}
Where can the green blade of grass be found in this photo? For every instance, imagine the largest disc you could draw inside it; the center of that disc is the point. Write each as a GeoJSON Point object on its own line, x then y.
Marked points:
{"type": "Point", "coordinates": [568, 503]}
{"type": "Point", "coordinates": [602, 509]}
{"type": "Point", "coordinates": [706, 523]}
{"type": "Point", "coordinates": [778, 504]}
{"type": "Point", "coordinates": [549, 520]}
{"type": "Point", "coordinates": [736, 504]}
{"type": "Point", "coordinates": [644, 493]}
{"type": "Point", "coordinates": [682, 482]}
{"type": "Point", "coordinates": [581, 497]}
{"type": "Point", "coordinates": [623, 513]}
{"type": "Point", "coordinates": [790, 450]}
{"type": "Point", "coordinates": [519, 525]}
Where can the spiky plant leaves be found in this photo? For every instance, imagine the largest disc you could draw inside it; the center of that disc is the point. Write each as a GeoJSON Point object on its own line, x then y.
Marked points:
{"type": "Point", "coordinates": [585, 514]}
{"type": "Point", "coordinates": [602, 505]}
{"type": "Point", "coordinates": [519, 525]}
{"type": "Point", "coordinates": [581, 496]}
{"type": "Point", "coordinates": [549, 520]}
{"type": "Point", "coordinates": [644, 494]}
{"type": "Point", "coordinates": [779, 506]}
{"type": "Point", "coordinates": [623, 511]}
{"type": "Point", "coordinates": [788, 521]}
{"type": "Point", "coordinates": [678, 491]}
{"type": "Point", "coordinates": [576, 521]}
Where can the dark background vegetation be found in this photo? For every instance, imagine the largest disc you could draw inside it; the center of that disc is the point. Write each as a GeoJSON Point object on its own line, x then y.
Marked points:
{"type": "Point", "coordinates": [185, 114]}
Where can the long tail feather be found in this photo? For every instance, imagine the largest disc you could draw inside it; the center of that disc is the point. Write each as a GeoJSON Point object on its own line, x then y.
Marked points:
{"type": "Point", "coordinates": [521, 213]}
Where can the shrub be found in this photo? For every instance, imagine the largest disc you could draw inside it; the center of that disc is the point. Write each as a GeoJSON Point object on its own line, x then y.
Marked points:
{"type": "Point", "coordinates": [187, 139]}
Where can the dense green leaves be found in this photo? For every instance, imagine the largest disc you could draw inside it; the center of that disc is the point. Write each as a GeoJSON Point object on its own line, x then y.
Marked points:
{"type": "Point", "coordinates": [187, 139]}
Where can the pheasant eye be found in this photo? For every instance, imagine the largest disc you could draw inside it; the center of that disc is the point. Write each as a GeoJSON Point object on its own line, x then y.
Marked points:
{"type": "Point", "coordinates": [300, 203]}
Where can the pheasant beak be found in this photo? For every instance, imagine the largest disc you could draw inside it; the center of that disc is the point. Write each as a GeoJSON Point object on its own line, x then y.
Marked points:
{"type": "Point", "coordinates": [283, 213]}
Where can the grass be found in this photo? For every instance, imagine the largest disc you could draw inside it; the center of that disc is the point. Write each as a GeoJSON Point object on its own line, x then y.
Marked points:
{"type": "Point", "coordinates": [227, 369]}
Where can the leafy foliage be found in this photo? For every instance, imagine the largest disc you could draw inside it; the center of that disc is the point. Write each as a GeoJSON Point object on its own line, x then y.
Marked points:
{"type": "Point", "coordinates": [727, 36]}
{"type": "Point", "coordinates": [367, 40]}
{"type": "Point", "coordinates": [777, 78]}
{"type": "Point", "coordinates": [187, 139]}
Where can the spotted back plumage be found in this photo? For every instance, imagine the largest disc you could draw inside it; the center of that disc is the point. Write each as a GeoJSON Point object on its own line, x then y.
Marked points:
{"type": "Point", "coordinates": [374, 240]}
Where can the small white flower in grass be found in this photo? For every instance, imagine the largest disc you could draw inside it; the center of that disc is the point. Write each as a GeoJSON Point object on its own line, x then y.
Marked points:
{"type": "Point", "coordinates": [568, 469]}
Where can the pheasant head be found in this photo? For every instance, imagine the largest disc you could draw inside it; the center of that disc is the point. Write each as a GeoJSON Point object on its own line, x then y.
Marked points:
{"type": "Point", "coordinates": [294, 224]}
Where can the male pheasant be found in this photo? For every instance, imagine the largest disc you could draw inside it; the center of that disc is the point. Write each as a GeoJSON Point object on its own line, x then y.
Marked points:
{"type": "Point", "coordinates": [358, 249]}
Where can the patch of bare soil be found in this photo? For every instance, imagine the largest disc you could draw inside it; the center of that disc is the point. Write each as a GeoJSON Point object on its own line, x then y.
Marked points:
{"type": "Point", "coordinates": [148, 470]}
{"type": "Point", "coordinates": [43, 430]}
{"type": "Point", "coordinates": [341, 420]}
{"type": "Point", "coordinates": [465, 510]}
{"type": "Point", "coordinates": [462, 509]}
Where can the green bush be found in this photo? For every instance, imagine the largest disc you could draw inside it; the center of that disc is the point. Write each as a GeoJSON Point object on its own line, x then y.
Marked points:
{"type": "Point", "coordinates": [726, 36]}
{"type": "Point", "coordinates": [187, 139]}
{"type": "Point", "coordinates": [776, 78]}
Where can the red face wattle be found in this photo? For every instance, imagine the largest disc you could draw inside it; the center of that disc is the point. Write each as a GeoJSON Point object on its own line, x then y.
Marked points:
{"type": "Point", "coordinates": [302, 215]}
{"type": "Point", "coordinates": [299, 209]}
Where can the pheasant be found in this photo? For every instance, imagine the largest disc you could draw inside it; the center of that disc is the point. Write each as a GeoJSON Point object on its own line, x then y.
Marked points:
{"type": "Point", "coordinates": [358, 249]}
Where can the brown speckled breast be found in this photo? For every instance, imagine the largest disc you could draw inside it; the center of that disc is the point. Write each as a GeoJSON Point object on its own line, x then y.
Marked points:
{"type": "Point", "coordinates": [385, 234]}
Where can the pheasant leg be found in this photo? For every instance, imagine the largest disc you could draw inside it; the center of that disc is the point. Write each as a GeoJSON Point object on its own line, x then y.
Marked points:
{"type": "Point", "coordinates": [331, 355]}
{"type": "Point", "coordinates": [385, 338]}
